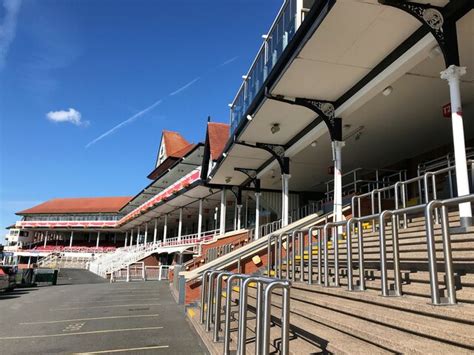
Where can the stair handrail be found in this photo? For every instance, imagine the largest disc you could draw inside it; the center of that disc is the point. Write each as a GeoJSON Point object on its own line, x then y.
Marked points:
{"type": "Point", "coordinates": [400, 187]}
{"type": "Point", "coordinates": [446, 237]}
{"type": "Point", "coordinates": [211, 309]}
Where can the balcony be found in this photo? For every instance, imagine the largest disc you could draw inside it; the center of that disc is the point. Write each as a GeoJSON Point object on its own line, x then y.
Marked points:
{"type": "Point", "coordinates": [283, 29]}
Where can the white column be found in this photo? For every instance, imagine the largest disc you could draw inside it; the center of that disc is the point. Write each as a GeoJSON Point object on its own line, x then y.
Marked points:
{"type": "Point", "coordinates": [257, 214]}
{"type": "Point", "coordinates": [45, 237]}
{"type": "Point", "coordinates": [223, 212]}
{"type": "Point", "coordinates": [180, 223]}
{"type": "Point", "coordinates": [70, 239]}
{"type": "Point", "coordinates": [155, 231]}
{"type": "Point", "coordinates": [452, 74]}
{"type": "Point", "coordinates": [115, 237]}
{"type": "Point", "coordinates": [285, 205]}
{"type": "Point", "coordinates": [146, 233]}
{"type": "Point", "coordinates": [239, 215]}
{"type": "Point", "coordinates": [98, 239]}
{"type": "Point", "coordinates": [337, 159]}
{"type": "Point", "coordinates": [200, 218]}
{"type": "Point", "coordinates": [131, 237]}
{"type": "Point", "coordinates": [138, 236]}
{"type": "Point", "coordinates": [126, 239]}
{"type": "Point", "coordinates": [165, 228]}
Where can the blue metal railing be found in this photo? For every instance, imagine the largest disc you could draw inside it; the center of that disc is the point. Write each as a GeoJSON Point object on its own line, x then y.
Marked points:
{"type": "Point", "coordinates": [281, 32]}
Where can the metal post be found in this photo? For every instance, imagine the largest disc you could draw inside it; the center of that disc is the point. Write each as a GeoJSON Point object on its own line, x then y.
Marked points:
{"type": "Point", "coordinates": [204, 282]}
{"type": "Point", "coordinates": [228, 311]}
{"type": "Point", "coordinates": [310, 259]}
{"type": "Point", "coordinates": [180, 224]}
{"type": "Point", "coordinates": [383, 253]}
{"type": "Point", "coordinates": [257, 214]}
{"type": "Point", "coordinates": [360, 236]}
{"type": "Point", "coordinates": [285, 205]}
{"type": "Point", "coordinates": [165, 228]}
{"type": "Point", "coordinates": [349, 226]}
{"type": "Point", "coordinates": [222, 212]}
{"type": "Point", "coordinates": [396, 258]}
{"type": "Point", "coordinates": [285, 319]}
{"type": "Point", "coordinates": [319, 257]}
{"type": "Point", "coordinates": [452, 74]}
{"type": "Point", "coordinates": [210, 300]}
{"type": "Point", "coordinates": [71, 238]}
{"type": "Point", "coordinates": [326, 255]}
{"type": "Point", "coordinates": [337, 158]}
{"type": "Point", "coordinates": [433, 268]}
{"type": "Point", "coordinates": [217, 314]}
{"type": "Point", "coordinates": [239, 213]}
{"type": "Point", "coordinates": [269, 254]}
{"type": "Point", "coordinates": [448, 257]}
{"type": "Point", "coordinates": [146, 233]}
{"type": "Point", "coordinates": [301, 241]}
{"type": "Point", "coordinates": [199, 219]}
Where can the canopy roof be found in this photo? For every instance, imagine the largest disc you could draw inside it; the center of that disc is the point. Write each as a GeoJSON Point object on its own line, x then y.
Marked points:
{"type": "Point", "coordinates": [79, 205]}
{"type": "Point", "coordinates": [348, 54]}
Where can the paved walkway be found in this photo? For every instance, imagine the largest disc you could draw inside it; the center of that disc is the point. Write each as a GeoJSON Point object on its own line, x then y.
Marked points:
{"type": "Point", "coordinates": [126, 318]}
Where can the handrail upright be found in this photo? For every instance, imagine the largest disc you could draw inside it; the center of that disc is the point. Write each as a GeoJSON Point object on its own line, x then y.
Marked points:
{"type": "Point", "coordinates": [217, 315]}
{"type": "Point", "coordinates": [310, 257]}
{"type": "Point", "coordinates": [204, 285]}
{"type": "Point", "coordinates": [228, 303]}
{"type": "Point", "coordinates": [210, 301]}
{"type": "Point", "coordinates": [301, 241]}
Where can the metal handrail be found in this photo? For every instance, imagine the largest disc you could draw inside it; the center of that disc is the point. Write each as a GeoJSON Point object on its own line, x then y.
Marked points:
{"type": "Point", "coordinates": [211, 310]}
{"type": "Point", "coordinates": [400, 188]}
{"type": "Point", "coordinates": [448, 261]}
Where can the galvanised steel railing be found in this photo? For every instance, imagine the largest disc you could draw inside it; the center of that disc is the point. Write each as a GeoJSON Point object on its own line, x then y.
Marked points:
{"type": "Point", "coordinates": [211, 310]}
{"type": "Point", "coordinates": [400, 189]}
{"type": "Point", "coordinates": [295, 241]}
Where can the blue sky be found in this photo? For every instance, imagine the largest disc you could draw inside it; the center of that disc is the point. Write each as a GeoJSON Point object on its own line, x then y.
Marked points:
{"type": "Point", "coordinates": [71, 71]}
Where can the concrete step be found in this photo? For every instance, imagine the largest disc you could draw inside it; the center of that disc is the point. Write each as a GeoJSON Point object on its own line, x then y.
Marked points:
{"type": "Point", "coordinates": [455, 333]}
{"type": "Point", "coordinates": [389, 337]}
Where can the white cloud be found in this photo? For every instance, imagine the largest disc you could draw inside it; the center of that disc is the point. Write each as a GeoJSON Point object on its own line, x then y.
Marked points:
{"type": "Point", "coordinates": [73, 116]}
{"type": "Point", "coordinates": [8, 27]}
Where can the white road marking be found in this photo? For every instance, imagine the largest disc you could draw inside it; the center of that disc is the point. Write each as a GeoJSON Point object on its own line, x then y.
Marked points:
{"type": "Point", "coordinates": [111, 300]}
{"type": "Point", "coordinates": [23, 337]}
{"type": "Point", "coordinates": [124, 350]}
{"type": "Point", "coordinates": [74, 327]}
{"type": "Point", "coordinates": [86, 319]}
{"type": "Point", "coordinates": [110, 306]}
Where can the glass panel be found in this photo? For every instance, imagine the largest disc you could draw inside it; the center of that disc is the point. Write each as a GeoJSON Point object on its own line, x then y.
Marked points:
{"type": "Point", "coordinates": [279, 36]}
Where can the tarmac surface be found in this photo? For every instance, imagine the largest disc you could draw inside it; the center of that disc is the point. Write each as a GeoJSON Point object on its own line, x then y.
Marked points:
{"type": "Point", "coordinates": [84, 314]}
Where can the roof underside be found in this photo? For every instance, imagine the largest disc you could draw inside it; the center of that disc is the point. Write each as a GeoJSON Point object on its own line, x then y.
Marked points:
{"type": "Point", "coordinates": [354, 38]}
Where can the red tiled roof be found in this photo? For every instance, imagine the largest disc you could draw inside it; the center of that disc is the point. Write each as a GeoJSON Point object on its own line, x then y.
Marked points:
{"type": "Point", "coordinates": [175, 144]}
{"type": "Point", "coordinates": [79, 205]}
{"type": "Point", "coordinates": [218, 134]}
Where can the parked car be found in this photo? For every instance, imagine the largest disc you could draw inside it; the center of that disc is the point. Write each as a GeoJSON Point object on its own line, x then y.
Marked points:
{"type": "Point", "coordinates": [10, 272]}
{"type": "Point", "coordinates": [4, 281]}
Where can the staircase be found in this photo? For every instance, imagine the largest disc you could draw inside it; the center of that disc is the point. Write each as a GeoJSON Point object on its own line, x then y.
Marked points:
{"type": "Point", "coordinates": [110, 262]}
{"type": "Point", "coordinates": [335, 320]}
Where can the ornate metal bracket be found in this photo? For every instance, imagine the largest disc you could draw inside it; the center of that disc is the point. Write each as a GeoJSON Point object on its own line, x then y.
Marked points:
{"type": "Point", "coordinates": [276, 150]}
{"type": "Point", "coordinates": [324, 109]}
{"type": "Point", "coordinates": [237, 191]}
{"type": "Point", "coordinates": [252, 175]}
{"type": "Point", "coordinates": [434, 19]}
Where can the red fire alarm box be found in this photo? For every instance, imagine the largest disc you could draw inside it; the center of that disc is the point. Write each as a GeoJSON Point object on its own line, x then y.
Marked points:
{"type": "Point", "coordinates": [447, 110]}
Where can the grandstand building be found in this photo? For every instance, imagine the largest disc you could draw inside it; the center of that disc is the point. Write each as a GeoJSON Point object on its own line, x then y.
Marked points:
{"type": "Point", "coordinates": [347, 166]}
